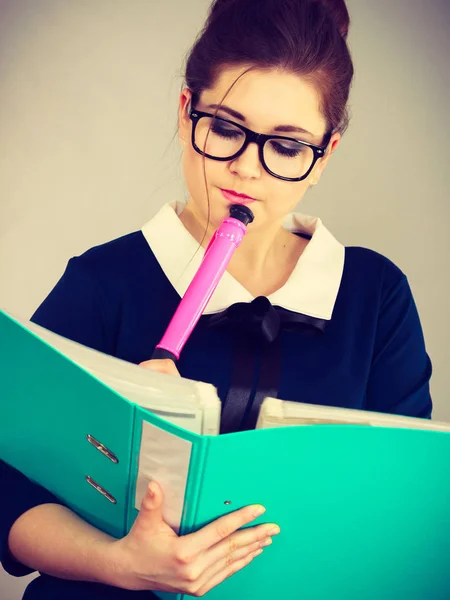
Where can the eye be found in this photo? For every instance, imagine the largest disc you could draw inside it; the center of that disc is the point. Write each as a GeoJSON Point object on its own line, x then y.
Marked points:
{"type": "Point", "coordinates": [222, 130]}
{"type": "Point", "coordinates": [286, 148]}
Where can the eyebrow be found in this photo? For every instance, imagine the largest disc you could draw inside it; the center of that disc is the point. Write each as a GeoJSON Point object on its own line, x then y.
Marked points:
{"type": "Point", "coordinates": [283, 128]}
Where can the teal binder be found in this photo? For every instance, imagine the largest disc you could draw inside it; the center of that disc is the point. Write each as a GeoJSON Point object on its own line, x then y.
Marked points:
{"type": "Point", "coordinates": [364, 511]}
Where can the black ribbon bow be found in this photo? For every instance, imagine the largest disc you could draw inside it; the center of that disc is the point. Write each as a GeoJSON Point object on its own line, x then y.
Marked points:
{"type": "Point", "coordinates": [264, 321]}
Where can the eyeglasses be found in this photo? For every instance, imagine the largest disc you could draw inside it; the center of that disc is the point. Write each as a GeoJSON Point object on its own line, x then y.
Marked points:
{"type": "Point", "coordinates": [283, 157]}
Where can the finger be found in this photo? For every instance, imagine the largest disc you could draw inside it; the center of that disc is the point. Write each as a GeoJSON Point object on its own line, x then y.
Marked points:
{"type": "Point", "coordinates": [161, 366]}
{"type": "Point", "coordinates": [150, 513]}
{"type": "Point", "coordinates": [217, 577]}
{"type": "Point", "coordinates": [220, 529]}
{"type": "Point", "coordinates": [239, 544]}
{"type": "Point", "coordinates": [228, 559]}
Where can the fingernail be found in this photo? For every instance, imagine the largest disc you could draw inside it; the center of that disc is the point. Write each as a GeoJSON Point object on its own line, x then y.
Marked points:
{"type": "Point", "coordinates": [274, 531]}
{"type": "Point", "coordinates": [151, 491]}
{"type": "Point", "coordinates": [259, 510]}
{"type": "Point", "coordinates": [266, 542]}
{"type": "Point", "coordinates": [258, 552]}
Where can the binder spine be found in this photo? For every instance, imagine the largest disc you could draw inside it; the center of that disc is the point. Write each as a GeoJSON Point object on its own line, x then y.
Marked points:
{"type": "Point", "coordinates": [132, 473]}
{"type": "Point", "coordinates": [194, 485]}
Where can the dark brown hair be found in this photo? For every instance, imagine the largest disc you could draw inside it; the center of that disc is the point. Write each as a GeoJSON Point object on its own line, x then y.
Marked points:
{"type": "Point", "coordinates": [304, 37]}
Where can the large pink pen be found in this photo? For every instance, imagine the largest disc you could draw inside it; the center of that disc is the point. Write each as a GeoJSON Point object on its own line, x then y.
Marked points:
{"type": "Point", "coordinates": [215, 261]}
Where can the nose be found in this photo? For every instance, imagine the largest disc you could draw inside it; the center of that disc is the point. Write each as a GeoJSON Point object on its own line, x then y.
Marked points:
{"type": "Point", "coordinates": [247, 165]}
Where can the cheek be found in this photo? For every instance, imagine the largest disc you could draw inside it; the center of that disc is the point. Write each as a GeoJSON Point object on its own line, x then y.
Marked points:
{"type": "Point", "coordinates": [198, 174]}
{"type": "Point", "coordinates": [194, 177]}
{"type": "Point", "coordinates": [283, 196]}
{"type": "Point", "coordinates": [193, 173]}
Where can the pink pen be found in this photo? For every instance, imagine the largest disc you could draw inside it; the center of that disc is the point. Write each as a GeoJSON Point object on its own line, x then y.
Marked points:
{"type": "Point", "coordinates": [215, 261]}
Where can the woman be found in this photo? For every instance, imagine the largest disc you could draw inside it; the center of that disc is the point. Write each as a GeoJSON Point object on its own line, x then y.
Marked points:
{"type": "Point", "coordinates": [262, 112]}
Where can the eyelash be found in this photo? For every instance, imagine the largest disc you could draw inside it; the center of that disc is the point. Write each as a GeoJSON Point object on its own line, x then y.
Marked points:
{"type": "Point", "coordinates": [289, 152]}
{"type": "Point", "coordinates": [219, 130]}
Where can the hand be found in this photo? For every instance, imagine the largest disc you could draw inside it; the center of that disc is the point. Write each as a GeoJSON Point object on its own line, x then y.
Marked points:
{"type": "Point", "coordinates": [153, 557]}
{"type": "Point", "coordinates": [161, 366]}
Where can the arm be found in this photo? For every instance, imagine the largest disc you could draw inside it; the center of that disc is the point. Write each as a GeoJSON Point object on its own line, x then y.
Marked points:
{"type": "Point", "coordinates": [18, 495]}
{"type": "Point", "coordinates": [36, 533]}
{"type": "Point", "coordinates": [52, 539]}
{"type": "Point", "coordinates": [401, 369]}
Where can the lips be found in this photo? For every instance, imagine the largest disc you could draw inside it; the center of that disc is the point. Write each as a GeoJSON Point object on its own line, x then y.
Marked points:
{"type": "Point", "coordinates": [237, 198]}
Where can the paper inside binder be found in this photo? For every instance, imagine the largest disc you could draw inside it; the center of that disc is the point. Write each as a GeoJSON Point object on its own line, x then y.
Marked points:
{"type": "Point", "coordinates": [165, 458]}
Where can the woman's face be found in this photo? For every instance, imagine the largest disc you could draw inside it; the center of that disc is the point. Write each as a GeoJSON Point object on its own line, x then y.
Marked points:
{"type": "Point", "coordinates": [265, 100]}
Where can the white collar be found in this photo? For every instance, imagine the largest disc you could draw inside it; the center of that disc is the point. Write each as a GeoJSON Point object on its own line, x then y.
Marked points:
{"type": "Point", "coordinates": [311, 289]}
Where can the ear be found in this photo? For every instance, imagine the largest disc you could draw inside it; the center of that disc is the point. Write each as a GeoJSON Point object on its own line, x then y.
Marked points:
{"type": "Point", "coordinates": [322, 162]}
{"type": "Point", "coordinates": [183, 115]}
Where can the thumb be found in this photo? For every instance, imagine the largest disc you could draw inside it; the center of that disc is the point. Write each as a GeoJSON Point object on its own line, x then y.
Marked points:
{"type": "Point", "coordinates": [150, 514]}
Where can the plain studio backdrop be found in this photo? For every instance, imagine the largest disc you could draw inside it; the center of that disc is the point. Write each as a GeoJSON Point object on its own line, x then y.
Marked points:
{"type": "Point", "coordinates": [88, 111]}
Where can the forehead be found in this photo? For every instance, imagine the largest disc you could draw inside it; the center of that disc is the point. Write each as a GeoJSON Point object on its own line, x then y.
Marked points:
{"type": "Point", "coordinates": [269, 98]}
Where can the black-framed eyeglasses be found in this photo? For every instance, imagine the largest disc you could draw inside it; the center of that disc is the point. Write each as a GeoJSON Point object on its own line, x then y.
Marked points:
{"type": "Point", "coordinates": [283, 157]}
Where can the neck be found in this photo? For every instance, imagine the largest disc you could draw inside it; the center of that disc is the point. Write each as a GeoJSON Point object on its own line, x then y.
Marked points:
{"type": "Point", "coordinates": [265, 258]}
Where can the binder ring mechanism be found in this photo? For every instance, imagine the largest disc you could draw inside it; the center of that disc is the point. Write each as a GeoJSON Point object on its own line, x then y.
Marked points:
{"type": "Point", "coordinates": [112, 457]}
{"type": "Point", "coordinates": [101, 489]}
{"type": "Point", "coordinates": [102, 448]}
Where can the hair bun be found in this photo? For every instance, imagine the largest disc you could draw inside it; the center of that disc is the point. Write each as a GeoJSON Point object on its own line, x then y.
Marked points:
{"type": "Point", "coordinates": [219, 6]}
{"type": "Point", "coordinates": [339, 12]}
{"type": "Point", "coordinates": [336, 8]}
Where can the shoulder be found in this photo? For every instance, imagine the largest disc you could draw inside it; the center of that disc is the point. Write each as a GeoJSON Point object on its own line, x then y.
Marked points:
{"type": "Point", "coordinates": [117, 253]}
{"type": "Point", "coordinates": [88, 301]}
{"type": "Point", "coordinates": [372, 281]}
{"type": "Point", "coordinates": [122, 258]}
{"type": "Point", "coordinates": [370, 268]}
{"type": "Point", "coordinates": [112, 271]}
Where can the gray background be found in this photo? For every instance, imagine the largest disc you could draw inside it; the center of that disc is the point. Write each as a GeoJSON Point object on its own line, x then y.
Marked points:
{"type": "Point", "coordinates": [88, 107]}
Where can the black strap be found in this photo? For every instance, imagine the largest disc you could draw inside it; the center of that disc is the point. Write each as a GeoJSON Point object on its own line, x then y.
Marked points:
{"type": "Point", "coordinates": [268, 381]}
{"type": "Point", "coordinates": [256, 374]}
{"type": "Point", "coordinates": [241, 383]}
